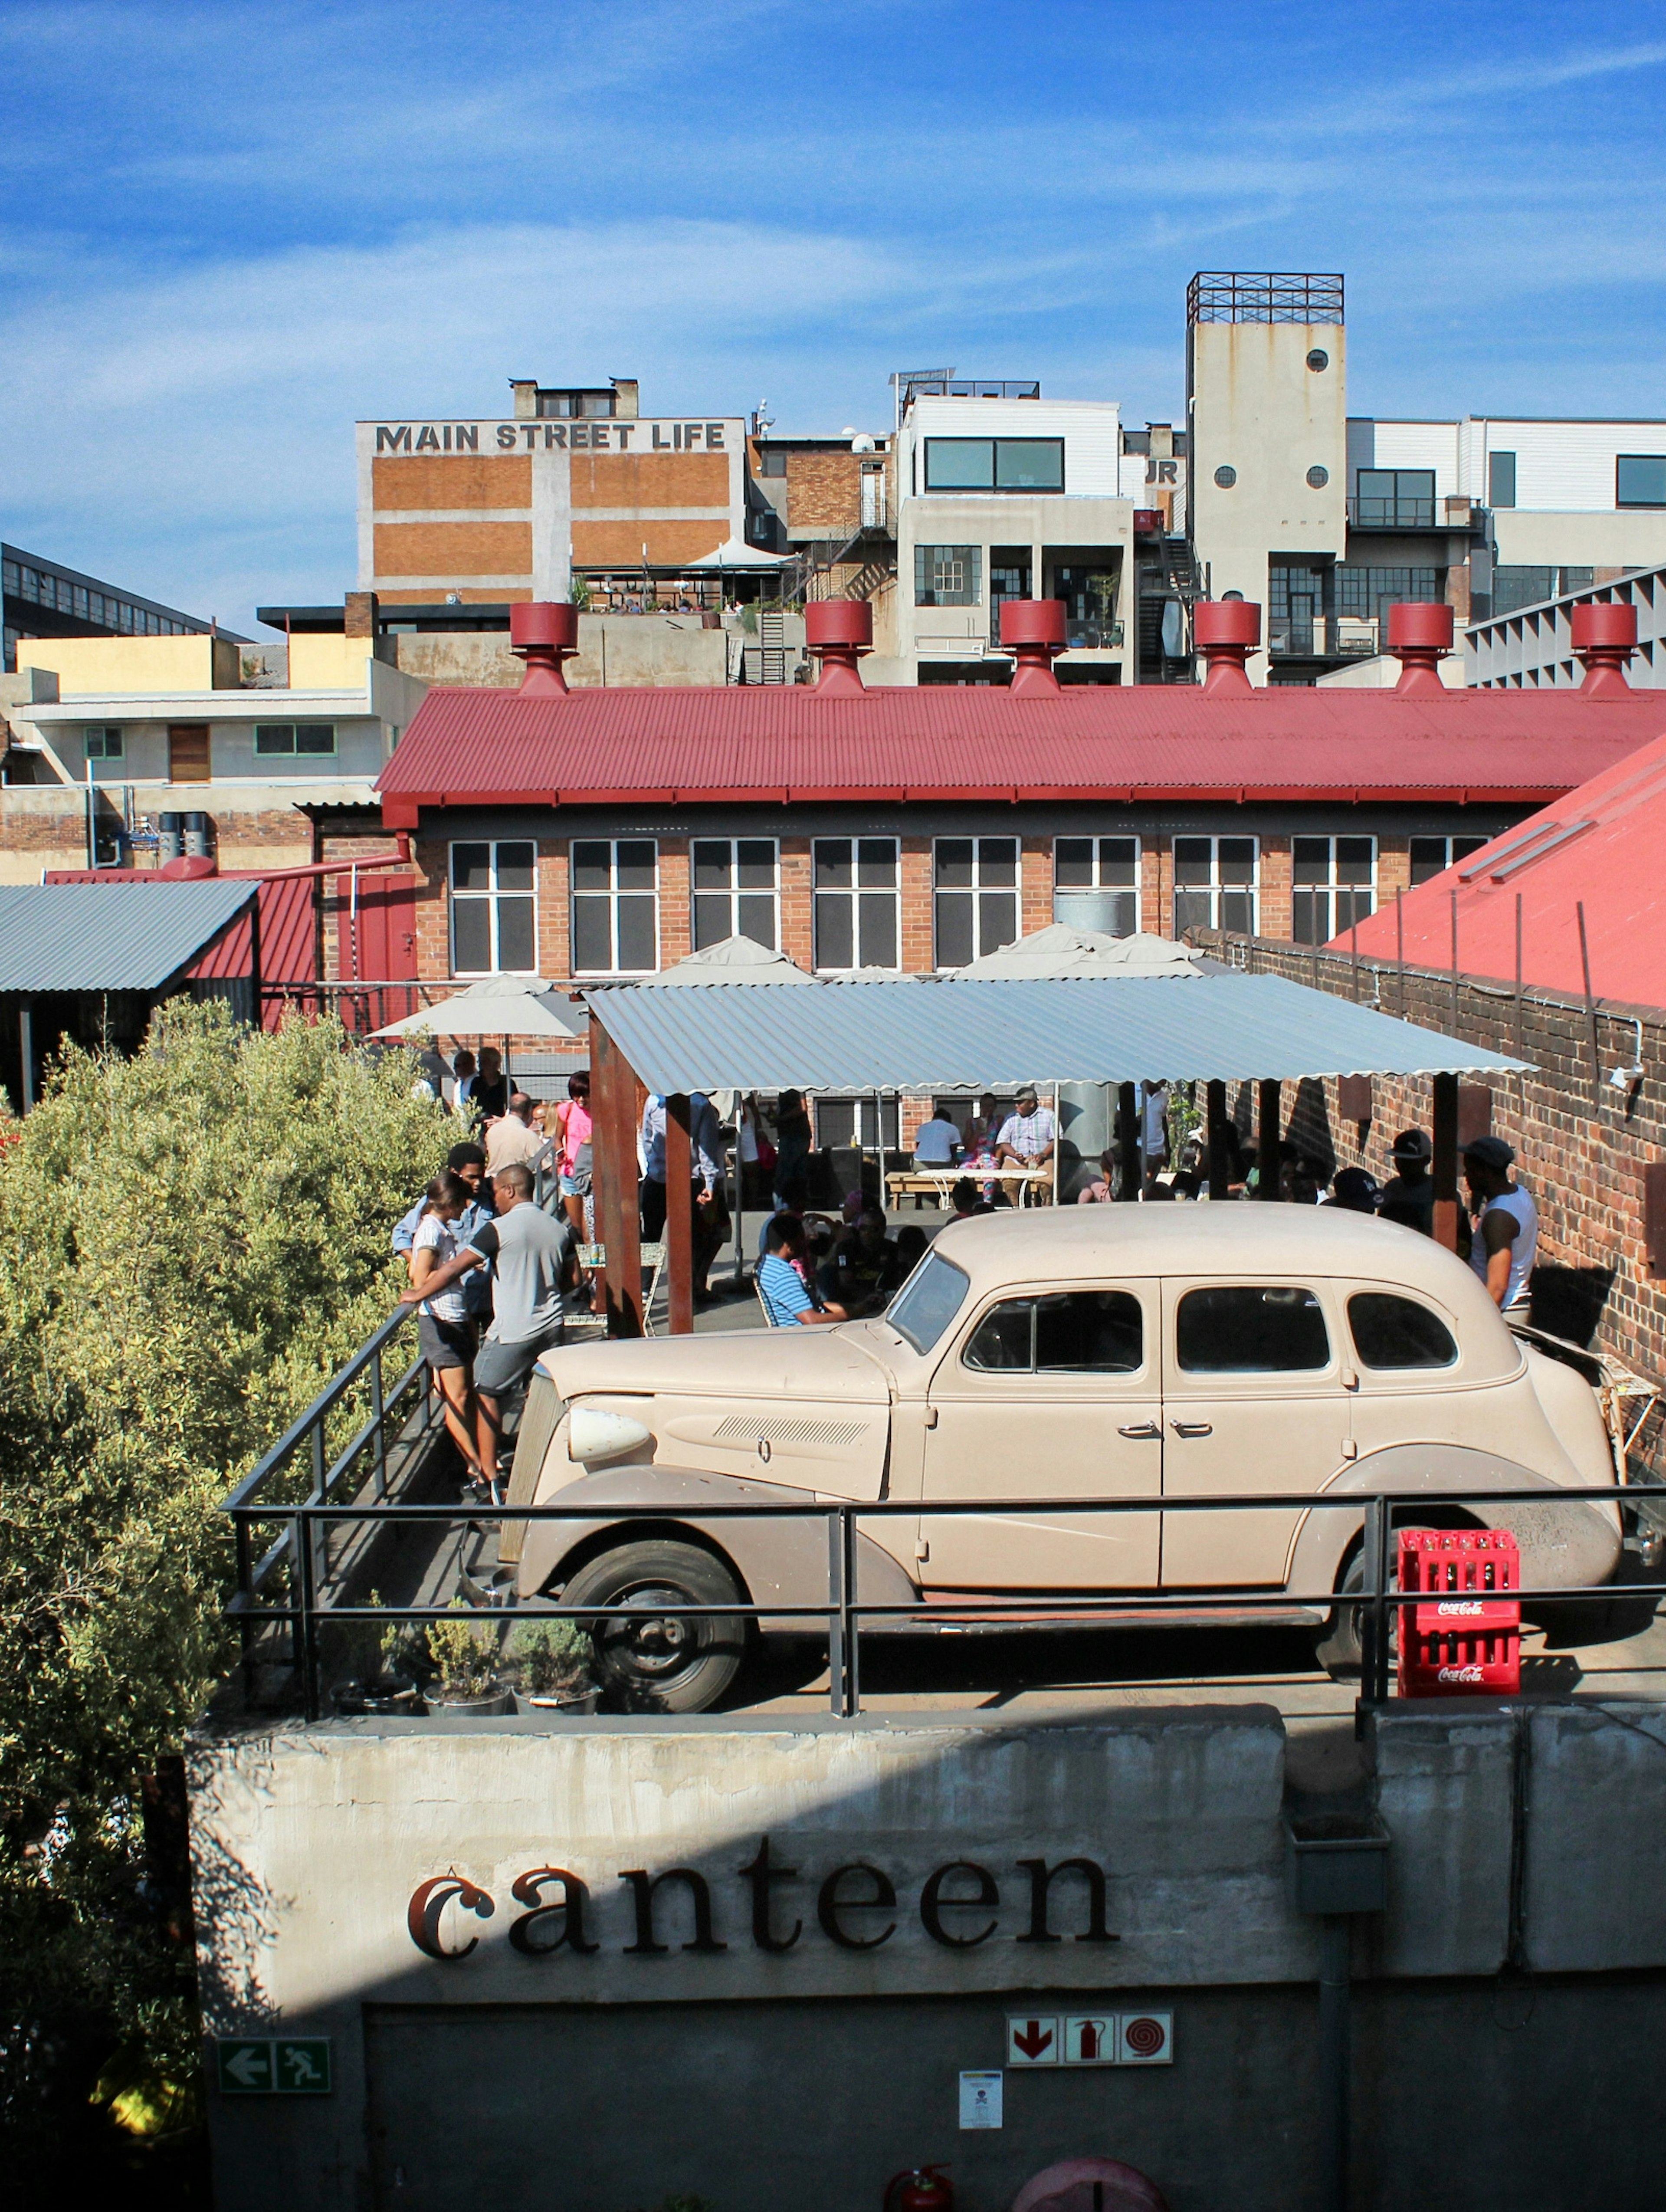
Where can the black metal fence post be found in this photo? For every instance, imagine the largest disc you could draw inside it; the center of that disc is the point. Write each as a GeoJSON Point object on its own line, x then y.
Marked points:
{"type": "Point", "coordinates": [306, 1602]}
{"type": "Point", "coordinates": [851, 1636]}
{"type": "Point", "coordinates": [836, 1616]}
{"type": "Point", "coordinates": [379, 1414]}
{"type": "Point", "coordinates": [1374, 1629]}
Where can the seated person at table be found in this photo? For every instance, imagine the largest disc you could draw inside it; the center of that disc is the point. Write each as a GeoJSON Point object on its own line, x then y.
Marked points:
{"type": "Point", "coordinates": [936, 1142]}
{"type": "Point", "coordinates": [1027, 1134]}
{"type": "Point", "coordinates": [788, 1299]}
{"type": "Point", "coordinates": [863, 1269]}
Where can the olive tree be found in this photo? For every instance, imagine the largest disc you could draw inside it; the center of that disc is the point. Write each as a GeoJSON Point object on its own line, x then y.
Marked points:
{"type": "Point", "coordinates": [192, 1242]}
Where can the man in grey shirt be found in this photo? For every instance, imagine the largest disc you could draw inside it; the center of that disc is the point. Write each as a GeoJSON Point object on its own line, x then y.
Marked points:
{"type": "Point", "coordinates": [535, 1259]}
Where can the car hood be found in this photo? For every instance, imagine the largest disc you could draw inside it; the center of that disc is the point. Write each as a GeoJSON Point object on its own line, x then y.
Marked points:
{"type": "Point", "coordinates": [769, 1363]}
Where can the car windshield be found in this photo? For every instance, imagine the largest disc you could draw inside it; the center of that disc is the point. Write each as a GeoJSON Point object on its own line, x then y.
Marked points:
{"type": "Point", "coordinates": [928, 1301]}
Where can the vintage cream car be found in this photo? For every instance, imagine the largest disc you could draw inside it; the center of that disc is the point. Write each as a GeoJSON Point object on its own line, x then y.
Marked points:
{"type": "Point", "coordinates": [1090, 1354]}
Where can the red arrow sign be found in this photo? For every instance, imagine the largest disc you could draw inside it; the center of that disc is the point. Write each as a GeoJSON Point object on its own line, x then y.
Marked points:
{"type": "Point", "coordinates": [1032, 2039]}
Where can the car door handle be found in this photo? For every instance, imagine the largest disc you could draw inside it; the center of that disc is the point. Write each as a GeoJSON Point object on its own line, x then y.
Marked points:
{"type": "Point", "coordinates": [1193, 1428]}
{"type": "Point", "coordinates": [1142, 1429]}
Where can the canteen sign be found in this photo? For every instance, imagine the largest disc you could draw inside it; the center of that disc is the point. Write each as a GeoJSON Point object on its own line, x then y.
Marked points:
{"type": "Point", "coordinates": [767, 1904]}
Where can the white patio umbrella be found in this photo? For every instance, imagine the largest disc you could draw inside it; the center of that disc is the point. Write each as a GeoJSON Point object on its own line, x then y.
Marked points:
{"type": "Point", "coordinates": [498, 1006]}
{"type": "Point", "coordinates": [1061, 951]}
{"type": "Point", "coordinates": [735, 960]}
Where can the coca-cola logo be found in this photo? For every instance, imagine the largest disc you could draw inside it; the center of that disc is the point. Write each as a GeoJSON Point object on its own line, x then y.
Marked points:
{"type": "Point", "coordinates": [1462, 1674]}
{"type": "Point", "coordinates": [1467, 1608]}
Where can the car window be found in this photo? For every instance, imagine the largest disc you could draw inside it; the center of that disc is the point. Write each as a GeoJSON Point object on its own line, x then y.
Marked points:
{"type": "Point", "coordinates": [927, 1301]}
{"type": "Point", "coordinates": [1250, 1329]}
{"type": "Point", "coordinates": [1067, 1331]}
{"type": "Point", "coordinates": [1389, 1331]}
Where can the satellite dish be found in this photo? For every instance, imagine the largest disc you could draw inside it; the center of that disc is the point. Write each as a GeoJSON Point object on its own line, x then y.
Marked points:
{"type": "Point", "coordinates": [848, 431]}
{"type": "Point", "coordinates": [862, 444]}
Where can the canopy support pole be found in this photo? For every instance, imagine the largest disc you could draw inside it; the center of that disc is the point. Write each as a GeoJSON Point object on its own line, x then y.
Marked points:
{"type": "Point", "coordinates": [1269, 1098]}
{"type": "Point", "coordinates": [1128, 1141]}
{"type": "Point", "coordinates": [1445, 1164]}
{"type": "Point", "coordinates": [613, 1091]}
{"type": "Point", "coordinates": [1220, 1178]}
{"type": "Point", "coordinates": [679, 1216]}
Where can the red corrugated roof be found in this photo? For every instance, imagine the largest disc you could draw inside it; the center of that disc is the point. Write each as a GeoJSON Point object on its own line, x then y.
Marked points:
{"type": "Point", "coordinates": [1603, 844]}
{"type": "Point", "coordinates": [483, 747]}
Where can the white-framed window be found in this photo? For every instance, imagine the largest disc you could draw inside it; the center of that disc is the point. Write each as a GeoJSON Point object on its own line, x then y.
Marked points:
{"type": "Point", "coordinates": [1096, 884]}
{"type": "Point", "coordinates": [1215, 883]}
{"type": "Point", "coordinates": [948, 575]}
{"type": "Point", "coordinates": [974, 897]}
{"type": "Point", "coordinates": [104, 742]}
{"type": "Point", "coordinates": [616, 906]}
{"type": "Point", "coordinates": [493, 907]}
{"type": "Point", "coordinates": [736, 890]}
{"type": "Point", "coordinates": [1333, 885]}
{"type": "Point", "coordinates": [1432, 856]}
{"type": "Point", "coordinates": [842, 1122]}
{"type": "Point", "coordinates": [859, 903]}
{"type": "Point", "coordinates": [288, 738]}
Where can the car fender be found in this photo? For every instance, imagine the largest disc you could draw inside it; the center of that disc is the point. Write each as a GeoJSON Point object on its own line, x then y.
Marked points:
{"type": "Point", "coordinates": [1563, 1546]}
{"type": "Point", "coordinates": [781, 1560]}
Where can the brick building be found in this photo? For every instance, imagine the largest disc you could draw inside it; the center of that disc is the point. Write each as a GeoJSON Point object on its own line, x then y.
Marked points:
{"type": "Point", "coordinates": [577, 484]}
{"type": "Point", "coordinates": [601, 834]}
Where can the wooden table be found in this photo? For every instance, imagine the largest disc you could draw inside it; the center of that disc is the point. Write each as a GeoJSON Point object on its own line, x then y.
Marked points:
{"type": "Point", "coordinates": [1024, 1186]}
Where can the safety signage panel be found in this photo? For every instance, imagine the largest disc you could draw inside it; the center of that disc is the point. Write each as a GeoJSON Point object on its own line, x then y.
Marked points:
{"type": "Point", "coordinates": [1032, 2039]}
{"type": "Point", "coordinates": [979, 2099]}
{"type": "Point", "coordinates": [273, 2066]}
{"type": "Point", "coordinates": [1090, 2038]}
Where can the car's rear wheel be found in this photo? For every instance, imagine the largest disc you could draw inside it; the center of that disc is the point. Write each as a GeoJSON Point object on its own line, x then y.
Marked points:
{"type": "Point", "coordinates": [660, 1660]}
{"type": "Point", "coordinates": [1338, 1644]}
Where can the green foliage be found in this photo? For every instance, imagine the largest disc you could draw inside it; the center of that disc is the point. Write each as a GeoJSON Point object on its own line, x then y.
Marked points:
{"type": "Point", "coordinates": [551, 1658]}
{"type": "Point", "coordinates": [466, 1652]}
{"type": "Point", "coordinates": [190, 1243]}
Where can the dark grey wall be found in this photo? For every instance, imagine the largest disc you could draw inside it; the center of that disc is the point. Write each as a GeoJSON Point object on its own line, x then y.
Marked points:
{"type": "Point", "coordinates": [1531, 2097]}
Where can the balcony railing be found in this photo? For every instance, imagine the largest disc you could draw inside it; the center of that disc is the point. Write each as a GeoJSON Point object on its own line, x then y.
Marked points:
{"type": "Point", "coordinates": [1371, 513]}
{"type": "Point", "coordinates": [1323, 637]}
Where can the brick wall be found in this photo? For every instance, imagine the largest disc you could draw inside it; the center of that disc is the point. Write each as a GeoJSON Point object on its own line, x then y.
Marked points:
{"type": "Point", "coordinates": [825, 493]}
{"type": "Point", "coordinates": [1580, 1146]}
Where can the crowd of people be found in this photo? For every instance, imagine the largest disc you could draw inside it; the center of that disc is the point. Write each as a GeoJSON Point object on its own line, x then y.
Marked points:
{"type": "Point", "coordinates": [493, 1275]}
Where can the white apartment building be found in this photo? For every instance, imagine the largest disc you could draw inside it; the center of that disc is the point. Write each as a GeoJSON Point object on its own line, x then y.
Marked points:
{"type": "Point", "coordinates": [1001, 495]}
{"type": "Point", "coordinates": [109, 741]}
{"type": "Point", "coordinates": [1328, 519]}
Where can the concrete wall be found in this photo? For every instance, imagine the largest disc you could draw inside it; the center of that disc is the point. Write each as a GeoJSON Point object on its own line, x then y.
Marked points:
{"type": "Point", "coordinates": [620, 650]}
{"type": "Point", "coordinates": [399, 1887]}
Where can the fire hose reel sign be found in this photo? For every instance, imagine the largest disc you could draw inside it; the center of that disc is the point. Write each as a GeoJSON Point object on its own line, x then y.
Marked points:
{"type": "Point", "coordinates": [1090, 2038]}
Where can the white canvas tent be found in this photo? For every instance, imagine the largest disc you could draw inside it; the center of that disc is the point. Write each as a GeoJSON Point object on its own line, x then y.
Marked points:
{"type": "Point", "coordinates": [1061, 951]}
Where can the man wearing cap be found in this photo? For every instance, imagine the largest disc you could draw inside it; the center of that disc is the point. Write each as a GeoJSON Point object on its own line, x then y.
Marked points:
{"type": "Point", "coordinates": [1409, 1196]}
{"type": "Point", "coordinates": [1507, 1223]}
{"type": "Point", "coordinates": [1027, 1138]}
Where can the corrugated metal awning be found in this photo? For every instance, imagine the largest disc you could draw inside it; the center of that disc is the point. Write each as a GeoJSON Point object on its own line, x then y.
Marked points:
{"type": "Point", "coordinates": [906, 1036]}
{"type": "Point", "coordinates": [109, 936]}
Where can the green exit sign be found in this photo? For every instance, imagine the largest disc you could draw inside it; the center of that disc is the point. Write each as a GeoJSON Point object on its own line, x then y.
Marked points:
{"type": "Point", "coordinates": [273, 2066]}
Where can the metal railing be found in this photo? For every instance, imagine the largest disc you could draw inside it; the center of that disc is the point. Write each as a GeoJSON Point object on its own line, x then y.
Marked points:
{"type": "Point", "coordinates": [1264, 295]}
{"type": "Point", "coordinates": [1373, 513]}
{"type": "Point", "coordinates": [308, 1606]}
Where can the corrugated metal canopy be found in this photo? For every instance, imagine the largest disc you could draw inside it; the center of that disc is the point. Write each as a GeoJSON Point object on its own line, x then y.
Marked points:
{"type": "Point", "coordinates": [109, 936]}
{"type": "Point", "coordinates": [905, 1036]}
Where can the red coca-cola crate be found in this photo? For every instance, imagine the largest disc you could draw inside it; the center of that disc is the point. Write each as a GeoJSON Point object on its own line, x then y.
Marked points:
{"type": "Point", "coordinates": [1466, 1636]}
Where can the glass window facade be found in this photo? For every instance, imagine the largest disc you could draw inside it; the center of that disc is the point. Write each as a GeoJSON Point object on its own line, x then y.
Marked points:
{"type": "Point", "coordinates": [858, 903]}
{"type": "Point", "coordinates": [1215, 884]}
{"type": "Point", "coordinates": [493, 918]}
{"type": "Point", "coordinates": [736, 890]}
{"type": "Point", "coordinates": [976, 897]}
{"type": "Point", "coordinates": [616, 906]}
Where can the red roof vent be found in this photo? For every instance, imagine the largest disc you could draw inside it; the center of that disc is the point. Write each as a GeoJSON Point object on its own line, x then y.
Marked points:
{"type": "Point", "coordinates": [1605, 638]}
{"type": "Point", "coordinates": [189, 868]}
{"type": "Point", "coordinates": [1419, 638]}
{"type": "Point", "coordinates": [1032, 631]}
{"type": "Point", "coordinates": [543, 633]}
{"type": "Point", "coordinates": [838, 632]}
{"type": "Point", "coordinates": [1226, 632]}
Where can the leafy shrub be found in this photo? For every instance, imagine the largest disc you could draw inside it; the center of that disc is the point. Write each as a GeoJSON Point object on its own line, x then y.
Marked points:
{"type": "Point", "coordinates": [551, 1658]}
{"type": "Point", "coordinates": [465, 1653]}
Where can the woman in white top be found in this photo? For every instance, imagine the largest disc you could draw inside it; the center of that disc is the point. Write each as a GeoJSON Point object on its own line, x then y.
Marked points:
{"type": "Point", "coordinates": [443, 1328]}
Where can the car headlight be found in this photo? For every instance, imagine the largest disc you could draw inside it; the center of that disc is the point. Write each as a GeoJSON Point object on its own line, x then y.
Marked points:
{"type": "Point", "coordinates": [594, 1435]}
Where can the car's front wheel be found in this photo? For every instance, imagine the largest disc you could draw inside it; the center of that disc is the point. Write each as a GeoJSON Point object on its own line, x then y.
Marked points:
{"type": "Point", "coordinates": [657, 1659]}
{"type": "Point", "coordinates": [1338, 1645]}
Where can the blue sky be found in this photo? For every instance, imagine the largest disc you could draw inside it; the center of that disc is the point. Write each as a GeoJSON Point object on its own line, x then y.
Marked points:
{"type": "Point", "coordinates": [226, 232]}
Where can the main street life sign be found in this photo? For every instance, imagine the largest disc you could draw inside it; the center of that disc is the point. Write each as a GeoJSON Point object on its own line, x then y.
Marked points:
{"type": "Point", "coordinates": [644, 434]}
{"type": "Point", "coordinates": [856, 1907]}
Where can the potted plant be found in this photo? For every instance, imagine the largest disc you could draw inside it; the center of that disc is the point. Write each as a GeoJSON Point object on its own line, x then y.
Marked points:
{"type": "Point", "coordinates": [552, 1661]}
{"type": "Point", "coordinates": [464, 1654]}
{"type": "Point", "coordinates": [384, 1666]}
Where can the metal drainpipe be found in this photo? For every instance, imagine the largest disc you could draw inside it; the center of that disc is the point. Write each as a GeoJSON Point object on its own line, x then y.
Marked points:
{"type": "Point", "coordinates": [1336, 2025]}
